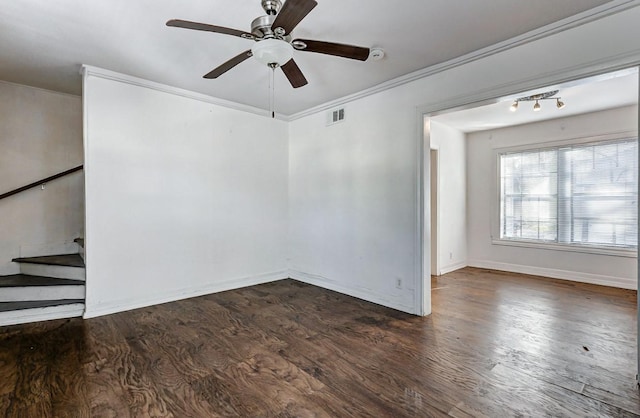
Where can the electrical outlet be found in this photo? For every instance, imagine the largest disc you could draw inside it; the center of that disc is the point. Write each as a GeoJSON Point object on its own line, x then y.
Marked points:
{"type": "Point", "coordinates": [398, 283]}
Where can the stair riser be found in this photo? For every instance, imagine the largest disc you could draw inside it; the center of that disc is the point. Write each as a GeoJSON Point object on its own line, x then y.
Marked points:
{"type": "Point", "coordinates": [59, 272]}
{"type": "Point", "coordinates": [18, 294]}
{"type": "Point", "coordinates": [24, 316]}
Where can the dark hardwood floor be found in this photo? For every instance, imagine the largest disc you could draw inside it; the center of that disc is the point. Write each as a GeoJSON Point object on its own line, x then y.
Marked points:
{"type": "Point", "coordinates": [496, 345]}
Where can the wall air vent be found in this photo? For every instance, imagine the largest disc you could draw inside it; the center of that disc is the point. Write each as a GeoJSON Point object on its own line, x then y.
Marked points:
{"type": "Point", "coordinates": [335, 116]}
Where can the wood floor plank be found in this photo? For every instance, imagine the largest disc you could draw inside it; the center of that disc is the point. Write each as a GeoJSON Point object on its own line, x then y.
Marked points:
{"type": "Point", "coordinates": [497, 344]}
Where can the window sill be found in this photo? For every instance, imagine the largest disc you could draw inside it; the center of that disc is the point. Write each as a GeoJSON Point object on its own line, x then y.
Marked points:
{"type": "Point", "coordinates": [616, 252]}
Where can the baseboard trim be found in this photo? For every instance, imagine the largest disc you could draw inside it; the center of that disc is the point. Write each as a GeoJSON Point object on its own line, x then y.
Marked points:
{"type": "Point", "coordinates": [574, 276]}
{"type": "Point", "coordinates": [24, 316]}
{"type": "Point", "coordinates": [453, 267]}
{"type": "Point", "coordinates": [93, 311]}
{"type": "Point", "coordinates": [366, 294]}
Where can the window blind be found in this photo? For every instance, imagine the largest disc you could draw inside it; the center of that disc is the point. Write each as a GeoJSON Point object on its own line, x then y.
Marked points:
{"type": "Point", "coordinates": [582, 194]}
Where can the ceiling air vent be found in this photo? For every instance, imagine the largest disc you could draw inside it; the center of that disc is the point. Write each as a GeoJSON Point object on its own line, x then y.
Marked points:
{"type": "Point", "coordinates": [335, 116]}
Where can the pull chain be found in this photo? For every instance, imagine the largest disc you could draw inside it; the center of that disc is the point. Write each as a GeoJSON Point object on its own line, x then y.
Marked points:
{"type": "Point", "coordinates": [272, 93]}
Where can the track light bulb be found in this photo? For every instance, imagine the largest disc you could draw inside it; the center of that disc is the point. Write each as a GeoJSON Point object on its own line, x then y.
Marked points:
{"type": "Point", "coordinates": [559, 103]}
{"type": "Point", "coordinates": [536, 107]}
{"type": "Point", "coordinates": [514, 106]}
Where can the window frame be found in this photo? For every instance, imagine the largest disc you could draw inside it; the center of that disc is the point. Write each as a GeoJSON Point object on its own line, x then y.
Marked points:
{"type": "Point", "coordinates": [549, 245]}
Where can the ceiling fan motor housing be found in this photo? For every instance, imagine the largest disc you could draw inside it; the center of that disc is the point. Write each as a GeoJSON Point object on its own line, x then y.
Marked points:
{"type": "Point", "coordinates": [261, 26]}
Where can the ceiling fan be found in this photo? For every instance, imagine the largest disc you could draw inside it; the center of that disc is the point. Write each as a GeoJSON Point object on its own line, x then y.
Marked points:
{"type": "Point", "coordinates": [274, 45]}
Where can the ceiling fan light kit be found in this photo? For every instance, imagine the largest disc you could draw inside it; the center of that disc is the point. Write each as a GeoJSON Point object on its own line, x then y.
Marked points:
{"type": "Point", "coordinates": [272, 51]}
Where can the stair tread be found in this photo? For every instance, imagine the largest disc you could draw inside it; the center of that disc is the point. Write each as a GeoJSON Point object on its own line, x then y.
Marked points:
{"type": "Point", "coordinates": [25, 280]}
{"type": "Point", "coordinates": [68, 260]}
{"type": "Point", "coordinates": [15, 306]}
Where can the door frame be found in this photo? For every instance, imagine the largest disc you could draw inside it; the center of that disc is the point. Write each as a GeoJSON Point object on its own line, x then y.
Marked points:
{"type": "Point", "coordinates": [434, 253]}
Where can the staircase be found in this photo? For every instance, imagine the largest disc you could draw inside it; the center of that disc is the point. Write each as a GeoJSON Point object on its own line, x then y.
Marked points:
{"type": "Point", "coordinates": [48, 287]}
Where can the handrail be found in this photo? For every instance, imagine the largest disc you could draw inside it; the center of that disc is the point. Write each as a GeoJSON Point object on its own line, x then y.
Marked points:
{"type": "Point", "coordinates": [43, 181]}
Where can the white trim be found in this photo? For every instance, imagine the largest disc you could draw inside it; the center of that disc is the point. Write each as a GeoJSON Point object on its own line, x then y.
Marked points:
{"type": "Point", "coordinates": [602, 280]}
{"type": "Point", "coordinates": [422, 231]}
{"type": "Point", "coordinates": [574, 140]}
{"type": "Point", "coordinates": [88, 70]}
{"type": "Point", "coordinates": [359, 292]}
{"type": "Point", "coordinates": [100, 309]}
{"type": "Point", "coordinates": [596, 13]}
{"type": "Point", "coordinates": [453, 267]}
{"type": "Point", "coordinates": [23, 316]}
{"type": "Point", "coordinates": [438, 232]}
{"type": "Point", "coordinates": [574, 248]}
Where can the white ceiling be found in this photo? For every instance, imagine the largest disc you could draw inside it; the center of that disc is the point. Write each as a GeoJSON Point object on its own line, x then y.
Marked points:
{"type": "Point", "coordinates": [44, 42]}
{"type": "Point", "coordinates": [597, 93]}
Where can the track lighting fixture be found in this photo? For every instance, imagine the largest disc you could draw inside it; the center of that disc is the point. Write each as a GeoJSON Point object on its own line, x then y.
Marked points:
{"type": "Point", "coordinates": [536, 98]}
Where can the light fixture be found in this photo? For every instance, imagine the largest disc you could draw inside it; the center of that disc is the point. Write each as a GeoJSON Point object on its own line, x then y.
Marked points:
{"type": "Point", "coordinates": [536, 98]}
{"type": "Point", "coordinates": [272, 51]}
{"type": "Point", "coordinates": [536, 107]}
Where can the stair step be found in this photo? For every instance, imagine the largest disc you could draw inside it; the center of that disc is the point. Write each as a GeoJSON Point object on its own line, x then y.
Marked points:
{"type": "Point", "coordinates": [12, 313]}
{"type": "Point", "coordinates": [23, 287]}
{"type": "Point", "coordinates": [68, 260]}
{"type": "Point", "coordinates": [64, 266]}
{"type": "Point", "coordinates": [26, 280]}
{"type": "Point", "coordinates": [30, 304]}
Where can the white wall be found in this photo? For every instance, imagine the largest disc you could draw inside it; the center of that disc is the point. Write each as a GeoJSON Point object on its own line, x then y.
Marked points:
{"type": "Point", "coordinates": [593, 268]}
{"type": "Point", "coordinates": [351, 208]}
{"type": "Point", "coordinates": [40, 135]}
{"type": "Point", "coordinates": [184, 197]}
{"type": "Point", "coordinates": [354, 187]}
{"type": "Point", "coordinates": [452, 179]}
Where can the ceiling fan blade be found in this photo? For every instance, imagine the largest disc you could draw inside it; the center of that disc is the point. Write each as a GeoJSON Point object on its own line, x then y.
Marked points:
{"type": "Point", "coordinates": [209, 28]}
{"type": "Point", "coordinates": [217, 72]}
{"type": "Point", "coordinates": [294, 74]}
{"type": "Point", "coordinates": [331, 48]}
{"type": "Point", "coordinates": [292, 12]}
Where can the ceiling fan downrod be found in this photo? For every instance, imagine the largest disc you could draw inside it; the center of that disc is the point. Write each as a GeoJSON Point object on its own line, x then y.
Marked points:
{"type": "Point", "coordinates": [271, 7]}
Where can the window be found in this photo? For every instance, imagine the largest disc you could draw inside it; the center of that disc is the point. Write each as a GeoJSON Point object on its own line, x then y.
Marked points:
{"type": "Point", "coordinates": [578, 195]}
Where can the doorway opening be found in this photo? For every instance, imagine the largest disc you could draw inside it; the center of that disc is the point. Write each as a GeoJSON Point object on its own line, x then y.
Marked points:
{"type": "Point", "coordinates": [574, 99]}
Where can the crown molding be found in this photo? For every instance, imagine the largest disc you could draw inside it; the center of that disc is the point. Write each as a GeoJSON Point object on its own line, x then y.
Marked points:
{"type": "Point", "coordinates": [580, 19]}
{"type": "Point", "coordinates": [89, 70]}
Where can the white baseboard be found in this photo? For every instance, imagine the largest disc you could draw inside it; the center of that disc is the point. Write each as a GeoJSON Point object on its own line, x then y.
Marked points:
{"type": "Point", "coordinates": [620, 282]}
{"type": "Point", "coordinates": [390, 301]}
{"type": "Point", "coordinates": [111, 307]}
{"type": "Point", "coordinates": [24, 316]}
{"type": "Point", "coordinates": [453, 267]}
